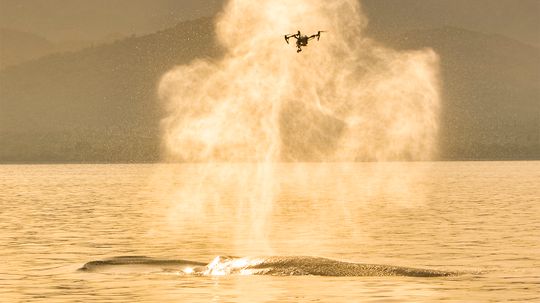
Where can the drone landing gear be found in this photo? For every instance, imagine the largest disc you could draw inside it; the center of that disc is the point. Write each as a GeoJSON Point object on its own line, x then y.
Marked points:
{"type": "Point", "coordinates": [298, 50]}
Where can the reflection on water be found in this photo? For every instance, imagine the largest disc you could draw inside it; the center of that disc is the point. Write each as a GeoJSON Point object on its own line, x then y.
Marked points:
{"type": "Point", "coordinates": [466, 217]}
{"type": "Point", "coordinates": [254, 207]}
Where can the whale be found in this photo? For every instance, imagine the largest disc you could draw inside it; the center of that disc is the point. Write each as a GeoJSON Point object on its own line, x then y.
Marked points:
{"type": "Point", "coordinates": [274, 265]}
{"type": "Point", "coordinates": [140, 264]}
{"type": "Point", "coordinates": [317, 266]}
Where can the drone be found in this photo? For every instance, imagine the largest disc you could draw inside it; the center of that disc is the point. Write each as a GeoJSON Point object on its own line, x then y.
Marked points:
{"type": "Point", "coordinates": [302, 40]}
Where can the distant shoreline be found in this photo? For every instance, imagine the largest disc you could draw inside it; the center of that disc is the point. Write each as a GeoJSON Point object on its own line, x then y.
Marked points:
{"type": "Point", "coordinates": [281, 162]}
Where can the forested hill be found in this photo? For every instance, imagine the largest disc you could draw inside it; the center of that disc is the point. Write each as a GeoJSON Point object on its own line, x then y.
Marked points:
{"type": "Point", "coordinates": [99, 104]}
{"type": "Point", "coordinates": [491, 92]}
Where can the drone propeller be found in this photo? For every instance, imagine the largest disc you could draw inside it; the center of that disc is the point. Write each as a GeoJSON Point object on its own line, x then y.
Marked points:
{"type": "Point", "coordinates": [319, 35]}
{"type": "Point", "coordinates": [287, 39]}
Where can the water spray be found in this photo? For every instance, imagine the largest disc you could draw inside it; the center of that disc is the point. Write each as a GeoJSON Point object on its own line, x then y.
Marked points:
{"type": "Point", "coordinates": [260, 104]}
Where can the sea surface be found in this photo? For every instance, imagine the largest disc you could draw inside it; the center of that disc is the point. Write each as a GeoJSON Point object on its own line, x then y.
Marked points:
{"type": "Point", "coordinates": [280, 233]}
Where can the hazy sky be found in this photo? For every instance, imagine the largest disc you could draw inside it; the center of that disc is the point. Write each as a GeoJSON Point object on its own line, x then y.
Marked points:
{"type": "Point", "coordinates": [96, 19]}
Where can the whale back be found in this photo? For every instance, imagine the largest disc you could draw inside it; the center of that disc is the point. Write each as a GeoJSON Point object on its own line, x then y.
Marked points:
{"type": "Point", "coordinates": [277, 266]}
{"type": "Point", "coordinates": [138, 264]}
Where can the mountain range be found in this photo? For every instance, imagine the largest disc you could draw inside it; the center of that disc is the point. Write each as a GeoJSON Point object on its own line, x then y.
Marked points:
{"type": "Point", "coordinates": [98, 104]}
{"type": "Point", "coordinates": [18, 47]}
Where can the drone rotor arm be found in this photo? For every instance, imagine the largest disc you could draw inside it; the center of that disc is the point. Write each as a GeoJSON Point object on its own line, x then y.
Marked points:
{"type": "Point", "coordinates": [317, 35]}
{"type": "Point", "coordinates": [287, 37]}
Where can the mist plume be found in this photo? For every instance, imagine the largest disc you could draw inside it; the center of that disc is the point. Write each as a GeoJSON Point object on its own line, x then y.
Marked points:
{"type": "Point", "coordinates": [344, 98]}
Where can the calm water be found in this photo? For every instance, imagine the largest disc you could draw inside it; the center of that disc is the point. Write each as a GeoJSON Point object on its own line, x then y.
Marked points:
{"type": "Point", "coordinates": [478, 218]}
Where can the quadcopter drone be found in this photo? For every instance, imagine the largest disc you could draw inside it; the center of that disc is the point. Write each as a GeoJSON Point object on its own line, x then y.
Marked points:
{"type": "Point", "coordinates": [302, 40]}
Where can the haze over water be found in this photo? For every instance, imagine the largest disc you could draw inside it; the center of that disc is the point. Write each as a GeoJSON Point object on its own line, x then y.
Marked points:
{"type": "Point", "coordinates": [480, 218]}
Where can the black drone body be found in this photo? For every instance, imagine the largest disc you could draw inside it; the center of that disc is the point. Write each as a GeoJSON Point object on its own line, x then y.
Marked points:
{"type": "Point", "coordinates": [302, 40]}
